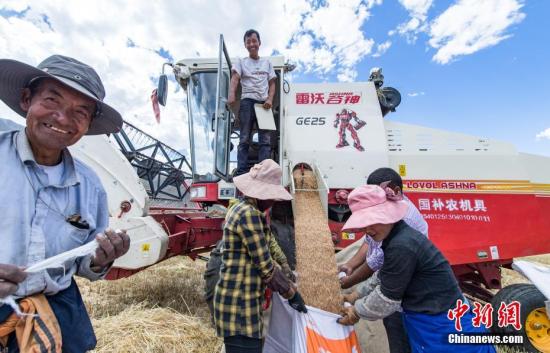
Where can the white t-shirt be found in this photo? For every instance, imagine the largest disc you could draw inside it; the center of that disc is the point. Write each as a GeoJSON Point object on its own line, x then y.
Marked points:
{"type": "Point", "coordinates": [55, 172]}
{"type": "Point", "coordinates": [255, 76]}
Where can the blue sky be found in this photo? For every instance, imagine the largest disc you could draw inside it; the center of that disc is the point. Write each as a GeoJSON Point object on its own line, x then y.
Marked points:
{"type": "Point", "coordinates": [473, 66]}
{"type": "Point", "coordinates": [500, 92]}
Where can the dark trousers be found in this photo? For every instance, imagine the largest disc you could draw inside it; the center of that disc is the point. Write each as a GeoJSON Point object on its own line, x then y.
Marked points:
{"type": "Point", "coordinates": [77, 333]}
{"type": "Point", "coordinates": [242, 344]}
{"type": "Point", "coordinates": [247, 120]}
{"type": "Point", "coordinates": [397, 336]}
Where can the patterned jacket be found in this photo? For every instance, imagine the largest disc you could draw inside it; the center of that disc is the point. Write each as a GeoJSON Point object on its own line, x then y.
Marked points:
{"type": "Point", "coordinates": [246, 261]}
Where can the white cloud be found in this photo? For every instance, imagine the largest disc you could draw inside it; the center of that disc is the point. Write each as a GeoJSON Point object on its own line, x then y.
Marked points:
{"type": "Point", "coordinates": [372, 3]}
{"type": "Point", "coordinates": [415, 94]}
{"type": "Point", "coordinates": [347, 75]}
{"type": "Point", "coordinates": [331, 37]}
{"type": "Point", "coordinates": [382, 48]}
{"type": "Point", "coordinates": [471, 25]}
{"type": "Point", "coordinates": [544, 134]}
{"type": "Point", "coordinates": [14, 5]}
{"type": "Point", "coordinates": [418, 10]}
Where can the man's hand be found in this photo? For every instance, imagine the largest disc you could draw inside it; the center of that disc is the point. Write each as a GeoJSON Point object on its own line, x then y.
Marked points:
{"type": "Point", "coordinates": [231, 97]}
{"type": "Point", "coordinates": [351, 297]}
{"type": "Point", "coordinates": [10, 277]}
{"type": "Point", "coordinates": [112, 245]}
{"type": "Point", "coordinates": [231, 100]}
{"type": "Point", "coordinates": [268, 104]}
{"type": "Point", "coordinates": [347, 269]}
{"type": "Point", "coordinates": [278, 282]}
{"type": "Point", "coordinates": [297, 303]}
{"type": "Point", "coordinates": [349, 316]}
{"type": "Point", "coordinates": [346, 282]}
{"type": "Point", "coordinates": [288, 272]}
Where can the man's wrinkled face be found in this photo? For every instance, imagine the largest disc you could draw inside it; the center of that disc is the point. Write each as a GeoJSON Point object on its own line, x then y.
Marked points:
{"type": "Point", "coordinates": [57, 116]}
{"type": "Point", "coordinates": [252, 44]}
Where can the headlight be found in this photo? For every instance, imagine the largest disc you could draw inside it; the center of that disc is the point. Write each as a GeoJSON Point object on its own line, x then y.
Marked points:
{"type": "Point", "coordinates": [198, 192]}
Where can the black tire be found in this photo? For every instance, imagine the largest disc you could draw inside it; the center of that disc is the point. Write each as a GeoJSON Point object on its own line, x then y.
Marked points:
{"type": "Point", "coordinates": [212, 276]}
{"type": "Point", "coordinates": [504, 295]}
{"type": "Point", "coordinates": [530, 299]}
{"type": "Point", "coordinates": [284, 234]}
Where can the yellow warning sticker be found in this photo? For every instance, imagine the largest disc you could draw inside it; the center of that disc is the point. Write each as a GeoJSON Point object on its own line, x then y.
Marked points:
{"type": "Point", "coordinates": [403, 170]}
{"type": "Point", "coordinates": [348, 236]}
{"type": "Point", "coordinates": [145, 247]}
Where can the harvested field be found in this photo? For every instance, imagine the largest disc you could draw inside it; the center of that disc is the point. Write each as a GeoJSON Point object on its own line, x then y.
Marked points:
{"type": "Point", "coordinates": [158, 310]}
{"type": "Point", "coordinates": [315, 259]}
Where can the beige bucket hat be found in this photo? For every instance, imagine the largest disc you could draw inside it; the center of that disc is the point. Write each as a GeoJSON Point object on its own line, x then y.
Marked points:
{"type": "Point", "coordinates": [263, 182]}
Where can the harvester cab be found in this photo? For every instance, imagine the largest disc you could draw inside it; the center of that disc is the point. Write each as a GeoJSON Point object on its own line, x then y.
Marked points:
{"type": "Point", "coordinates": [213, 125]}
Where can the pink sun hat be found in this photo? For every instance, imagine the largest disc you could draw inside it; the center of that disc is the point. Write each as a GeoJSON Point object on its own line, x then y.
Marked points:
{"type": "Point", "coordinates": [263, 182]}
{"type": "Point", "coordinates": [373, 204]}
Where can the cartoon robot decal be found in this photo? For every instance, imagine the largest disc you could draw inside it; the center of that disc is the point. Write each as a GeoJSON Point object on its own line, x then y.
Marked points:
{"type": "Point", "coordinates": [344, 120]}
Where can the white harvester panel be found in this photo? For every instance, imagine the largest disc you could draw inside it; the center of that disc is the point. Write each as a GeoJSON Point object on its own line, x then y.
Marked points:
{"type": "Point", "coordinates": [148, 241]}
{"type": "Point", "coordinates": [337, 126]}
{"type": "Point", "coordinates": [422, 153]}
{"type": "Point", "coordinates": [148, 245]}
{"type": "Point", "coordinates": [116, 174]}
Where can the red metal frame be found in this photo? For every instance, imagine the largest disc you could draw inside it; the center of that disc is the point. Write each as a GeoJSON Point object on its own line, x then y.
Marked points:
{"type": "Point", "coordinates": [476, 279]}
{"type": "Point", "coordinates": [211, 192]}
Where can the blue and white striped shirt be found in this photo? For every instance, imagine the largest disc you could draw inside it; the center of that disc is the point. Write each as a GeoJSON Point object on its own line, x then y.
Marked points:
{"type": "Point", "coordinates": [375, 254]}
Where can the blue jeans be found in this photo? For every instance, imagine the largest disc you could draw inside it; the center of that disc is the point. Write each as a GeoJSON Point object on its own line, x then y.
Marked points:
{"type": "Point", "coordinates": [247, 118]}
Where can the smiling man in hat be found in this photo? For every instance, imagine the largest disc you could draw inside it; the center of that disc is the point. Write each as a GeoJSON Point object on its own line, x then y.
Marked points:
{"type": "Point", "coordinates": [415, 277]}
{"type": "Point", "coordinates": [247, 264]}
{"type": "Point", "coordinates": [52, 203]}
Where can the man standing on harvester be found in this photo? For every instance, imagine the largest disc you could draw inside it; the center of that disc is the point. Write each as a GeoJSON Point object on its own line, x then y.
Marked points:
{"type": "Point", "coordinates": [257, 79]}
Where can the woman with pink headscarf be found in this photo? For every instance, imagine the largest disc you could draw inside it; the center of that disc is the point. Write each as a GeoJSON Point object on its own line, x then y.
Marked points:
{"type": "Point", "coordinates": [415, 277]}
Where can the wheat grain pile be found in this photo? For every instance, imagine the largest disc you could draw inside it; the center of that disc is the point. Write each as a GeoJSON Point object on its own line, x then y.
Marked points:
{"type": "Point", "coordinates": [305, 181]}
{"type": "Point", "coordinates": [158, 310]}
{"type": "Point", "coordinates": [315, 259]}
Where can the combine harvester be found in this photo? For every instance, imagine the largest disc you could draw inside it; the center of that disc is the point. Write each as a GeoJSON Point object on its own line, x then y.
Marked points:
{"type": "Point", "coordinates": [485, 202]}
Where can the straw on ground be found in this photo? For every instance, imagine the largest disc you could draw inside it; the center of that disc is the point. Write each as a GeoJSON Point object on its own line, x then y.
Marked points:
{"type": "Point", "coordinates": [158, 310]}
